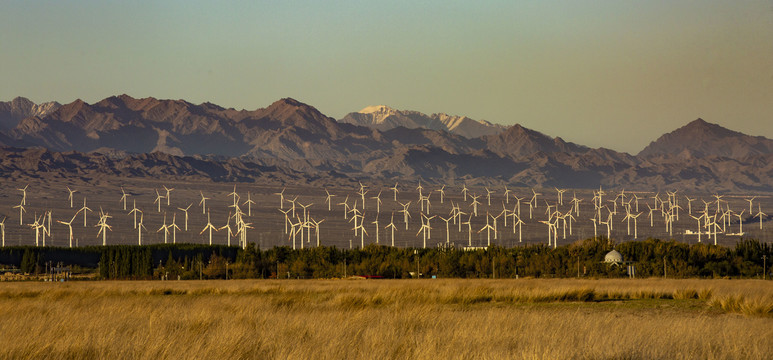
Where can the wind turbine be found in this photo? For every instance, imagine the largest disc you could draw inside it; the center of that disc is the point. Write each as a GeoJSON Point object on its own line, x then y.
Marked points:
{"type": "Point", "coordinates": [329, 200]}
{"type": "Point", "coordinates": [70, 197]}
{"type": "Point", "coordinates": [2, 230]}
{"type": "Point", "coordinates": [395, 190]}
{"type": "Point", "coordinates": [139, 227]}
{"type": "Point", "coordinates": [495, 223]}
{"type": "Point", "coordinates": [689, 204]}
{"type": "Point", "coordinates": [518, 204]}
{"type": "Point", "coordinates": [209, 227]}
{"type": "Point", "coordinates": [174, 227]}
{"type": "Point", "coordinates": [294, 202]}
{"type": "Point", "coordinates": [391, 226]}
{"type": "Point", "coordinates": [406, 214]}
{"type": "Point", "coordinates": [287, 217]}
{"type": "Point", "coordinates": [22, 210]}
{"type": "Point", "coordinates": [518, 223]}
{"type": "Point", "coordinates": [376, 223]}
{"type": "Point", "coordinates": [442, 192]}
{"type": "Point", "coordinates": [560, 195]}
{"type": "Point", "coordinates": [124, 196]}
{"type": "Point", "coordinates": [242, 232]}
{"type": "Point", "coordinates": [362, 193]}
{"type": "Point", "coordinates": [69, 226]}
{"type": "Point", "coordinates": [488, 196]}
{"type": "Point", "coordinates": [507, 195]}
{"type": "Point", "coordinates": [576, 203]}
{"type": "Point", "coordinates": [635, 232]}
{"type": "Point", "coordinates": [134, 211]}
{"type": "Point", "coordinates": [650, 215]}
{"type": "Point", "coordinates": [475, 204]}
{"type": "Point", "coordinates": [281, 198]}
{"type": "Point", "coordinates": [84, 209]}
{"type": "Point", "coordinates": [345, 204]}
{"type": "Point", "coordinates": [628, 218]}
{"type": "Point", "coordinates": [249, 204]}
{"type": "Point", "coordinates": [469, 230]}
{"type": "Point", "coordinates": [534, 197]}
{"type": "Point", "coordinates": [203, 203]}
{"type": "Point", "coordinates": [363, 232]}
{"type": "Point", "coordinates": [230, 232]}
{"type": "Point", "coordinates": [185, 211]}
{"type": "Point", "coordinates": [47, 229]}
{"type": "Point", "coordinates": [448, 232]}
{"type": "Point", "coordinates": [103, 227]}
{"type": "Point", "coordinates": [24, 194]}
{"type": "Point", "coordinates": [316, 229]}
{"type": "Point", "coordinates": [424, 201]}
{"type": "Point", "coordinates": [550, 230]}
{"type": "Point", "coordinates": [168, 196]}
{"type": "Point", "coordinates": [294, 228]}
{"type": "Point", "coordinates": [424, 230]}
{"type": "Point", "coordinates": [636, 201]}
{"type": "Point", "coordinates": [760, 214]}
{"type": "Point", "coordinates": [464, 191]}
{"type": "Point", "coordinates": [305, 212]}
{"type": "Point", "coordinates": [750, 203]}
{"type": "Point", "coordinates": [36, 225]}
{"type": "Point", "coordinates": [378, 205]}
{"type": "Point", "coordinates": [698, 219]}
{"type": "Point", "coordinates": [488, 229]}
{"type": "Point", "coordinates": [718, 201]}
{"type": "Point", "coordinates": [571, 218]}
{"type": "Point", "coordinates": [357, 214]}
{"type": "Point", "coordinates": [428, 219]}
{"type": "Point", "coordinates": [158, 200]}
{"type": "Point", "coordinates": [740, 222]}
{"type": "Point", "coordinates": [165, 228]}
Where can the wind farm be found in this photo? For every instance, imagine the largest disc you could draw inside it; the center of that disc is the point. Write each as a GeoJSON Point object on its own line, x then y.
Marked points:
{"type": "Point", "coordinates": [720, 219]}
{"type": "Point", "coordinates": [386, 180]}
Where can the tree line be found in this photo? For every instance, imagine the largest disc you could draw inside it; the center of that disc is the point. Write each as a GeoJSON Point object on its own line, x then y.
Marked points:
{"type": "Point", "coordinates": [650, 258]}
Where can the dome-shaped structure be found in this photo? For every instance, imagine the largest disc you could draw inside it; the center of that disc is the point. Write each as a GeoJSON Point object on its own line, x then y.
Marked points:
{"type": "Point", "coordinates": [613, 257]}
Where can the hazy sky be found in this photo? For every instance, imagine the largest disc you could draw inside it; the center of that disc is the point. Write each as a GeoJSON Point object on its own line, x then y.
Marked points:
{"type": "Point", "coordinates": [615, 74]}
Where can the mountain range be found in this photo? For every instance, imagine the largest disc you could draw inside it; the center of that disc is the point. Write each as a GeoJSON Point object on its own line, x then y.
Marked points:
{"type": "Point", "coordinates": [293, 141]}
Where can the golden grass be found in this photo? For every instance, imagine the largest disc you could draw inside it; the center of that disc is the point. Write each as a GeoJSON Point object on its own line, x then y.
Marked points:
{"type": "Point", "coordinates": [385, 319]}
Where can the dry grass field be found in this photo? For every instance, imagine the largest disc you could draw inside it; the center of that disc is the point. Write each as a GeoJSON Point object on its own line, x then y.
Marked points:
{"type": "Point", "coordinates": [375, 319]}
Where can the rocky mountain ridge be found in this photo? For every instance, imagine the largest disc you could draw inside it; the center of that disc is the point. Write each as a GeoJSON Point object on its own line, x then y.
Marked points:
{"type": "Point", "coordinates": [11, 112]}
{"type": "Point", "coordinates": [383, 118]}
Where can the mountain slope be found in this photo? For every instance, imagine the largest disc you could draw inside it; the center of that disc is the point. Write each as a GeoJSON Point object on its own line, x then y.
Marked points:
{"type": "Point", "coordinates": [384, 118]}
{"type": "Point", "coordinates": [11, 112]}
{"type": "Point", "coordinates": [520, 141]}
{"type": "Point", "coordinates": [700, 139]}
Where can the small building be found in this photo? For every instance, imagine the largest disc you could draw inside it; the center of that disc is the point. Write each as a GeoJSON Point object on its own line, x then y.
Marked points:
{"type": "Point", "coordinates": [613, 258]}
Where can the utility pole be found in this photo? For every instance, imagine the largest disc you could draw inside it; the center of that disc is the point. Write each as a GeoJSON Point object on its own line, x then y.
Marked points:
{"type": "Point", "coordinates": [416, 252]}
{"type": "Point", "coordinates": [664, 267]}
{"type": "Point", "coordinates": [578, 267]}
{"type": "Point", "coordinates": [764, 265]}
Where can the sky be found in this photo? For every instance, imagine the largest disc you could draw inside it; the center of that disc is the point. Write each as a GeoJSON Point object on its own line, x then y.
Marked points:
{"type": "Point", "coordinates": [614, 74]}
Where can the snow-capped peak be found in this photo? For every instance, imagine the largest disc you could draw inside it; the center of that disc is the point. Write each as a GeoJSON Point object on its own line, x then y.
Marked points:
{"type": "Point", "coordinates": [377, 109]}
